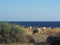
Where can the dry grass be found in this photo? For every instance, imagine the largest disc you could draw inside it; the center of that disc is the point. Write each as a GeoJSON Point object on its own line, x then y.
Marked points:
{"type": "Point", "coordinates": [43, 31]}
{"type": "Point", "coordinates": [18, 44]}
{"type": "Point", "coordinates": [40, 38]}
{"type": "Point", "coordinates": [42, 34]}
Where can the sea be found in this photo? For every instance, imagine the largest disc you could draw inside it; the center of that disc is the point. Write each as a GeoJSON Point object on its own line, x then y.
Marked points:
{"type": "Point", "coordinates": [52, 24]}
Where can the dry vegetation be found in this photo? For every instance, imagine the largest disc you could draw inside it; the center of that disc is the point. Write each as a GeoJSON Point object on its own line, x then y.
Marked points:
{"type": "Point", "coordinates": [25, 35]}
{"type": "Point", "coordinates": [18, 44]}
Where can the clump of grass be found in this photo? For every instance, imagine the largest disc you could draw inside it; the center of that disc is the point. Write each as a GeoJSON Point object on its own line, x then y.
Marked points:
{"type": "Point", "coordinates": [11, 33]}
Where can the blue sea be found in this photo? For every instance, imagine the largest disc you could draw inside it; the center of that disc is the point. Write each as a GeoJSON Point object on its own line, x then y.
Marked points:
{"type": "Point", "coordinates": [37, 23]}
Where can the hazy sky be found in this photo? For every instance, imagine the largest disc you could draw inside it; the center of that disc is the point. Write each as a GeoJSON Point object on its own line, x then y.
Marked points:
{"type": "Point", "coordinates": [29, 10]}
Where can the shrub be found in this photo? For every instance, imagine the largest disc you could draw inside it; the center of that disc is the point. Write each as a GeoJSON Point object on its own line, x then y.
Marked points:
{"type": "Point", "coordinates": [11, 33]}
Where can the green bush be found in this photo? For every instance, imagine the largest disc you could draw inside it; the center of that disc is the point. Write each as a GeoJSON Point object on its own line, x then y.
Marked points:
{"type": "Point", "coordinates": [11, 33]}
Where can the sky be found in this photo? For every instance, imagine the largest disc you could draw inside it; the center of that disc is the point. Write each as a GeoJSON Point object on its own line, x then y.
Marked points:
{"type": "Point", "coordinates": [29, 10]}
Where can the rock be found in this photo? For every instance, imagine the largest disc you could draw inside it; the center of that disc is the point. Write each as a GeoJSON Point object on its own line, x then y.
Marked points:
{"type": "Point", "coordinates": [53, 40]}
{"type": "Point", "coordinates": [44, 28]}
